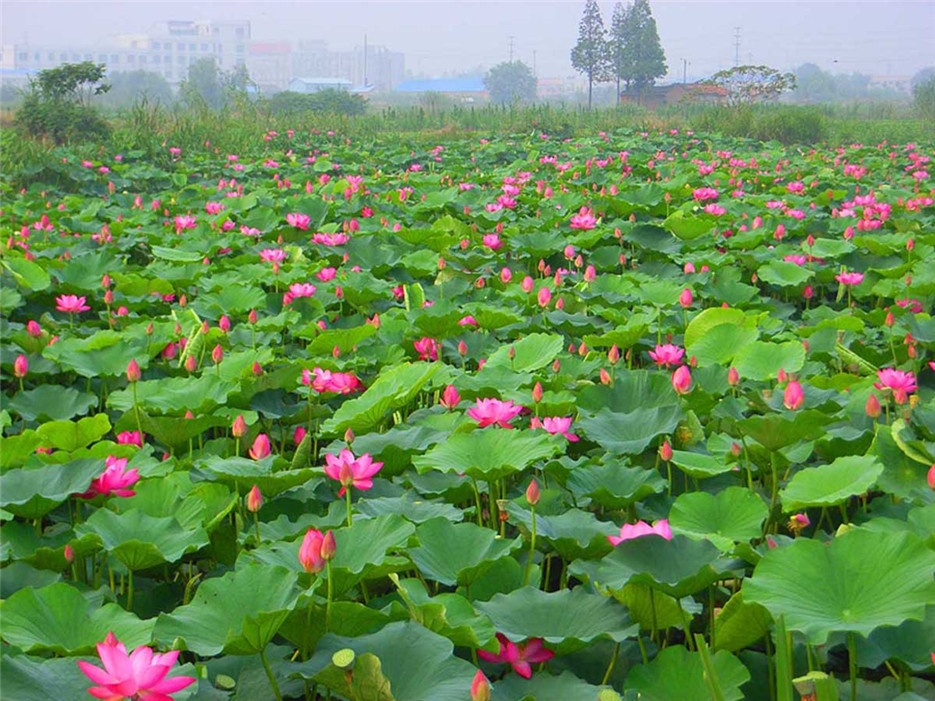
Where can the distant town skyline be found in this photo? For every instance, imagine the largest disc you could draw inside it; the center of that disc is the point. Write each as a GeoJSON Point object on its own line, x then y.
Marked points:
{"type": "Point", "coordinates": [439, 38]}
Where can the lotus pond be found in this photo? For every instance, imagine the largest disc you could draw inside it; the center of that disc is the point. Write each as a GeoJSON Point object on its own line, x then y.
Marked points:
{"type": "Point", "coordinates": [631, 416]}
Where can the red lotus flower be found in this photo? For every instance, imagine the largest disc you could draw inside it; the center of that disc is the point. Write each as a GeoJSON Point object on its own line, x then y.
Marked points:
{"type": "Point", "coordinates": [351, 471]}
{"type": "Point", "coordinates": [901, 383]}
{"type": "Point", "coordinates": [327, 381]}
{"type": "Point", "coordinates": [666, 355]}
{"type": "Point", "coordinates": [488, 412]}
{"type": "Point", "coordinates": [71, 304]}
{"type": "Point", "coordinates": [636, 530]}
{"type": "Point", "coordinates": [141, 675]}
{"type": "Point", "coordinates": [114, 480]}
{"type": "Point", "coordinates": [584, 219]}
{"type": "Point", "coordinates": [556, 425]}
{"type": "Point", "coordinates": [427, 348]}
{"type": "Point", "coordinates": [793, 396]}
{"type": "Point", "coordinates": [260, 448]}
{"type": "Point", "coordinates": [519, 657]}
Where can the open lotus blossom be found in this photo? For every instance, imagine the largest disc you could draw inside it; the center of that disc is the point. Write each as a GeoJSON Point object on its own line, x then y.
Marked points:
{"type": "Point", "coordinates": [900, 382]}
{"type": "Point", "coordinates": [667, 354]}
{"type": "Point", "coordinates": [351, 471]}
{"type": "Point", "coordinates": [488, 412]}
{"type": "Point", "coordinates": [327, 381]}
{"type": "Point", "coordinates": [302, 289]}
{"type": "Point", "coordinates": [299, 221]}
{"type": "Point", "coordinates": [139, 676]}
{"type": "Point", "coordinates": [71, 304]}
{"type": "Point", "coordinates": [629, 531]}
{"type": "Point", "coordinates": [520, 657]}
{"type": "Point", "coordinates": [493, 242]}
{"type": "Point", "coordinates": [130, 438]}
{"type": "Point", "coordinates": [846, 278]}
{"type": "Point", "coordinates": [467, 321]}
{"type": "Point", "coordinates": [114, 480]}
{"type": "Point", "coordinates": [450, 397]}
{"type": "Point", "coordinates": [556, 425]}
{"type": "Point", "coordinates": [427, 348]}
{"type": "Point", "coordinates": [331, 239]}
{"type": "Point", "coordinates": [584, 219]}
{"type": "Point", "coordinates": [273, 255]}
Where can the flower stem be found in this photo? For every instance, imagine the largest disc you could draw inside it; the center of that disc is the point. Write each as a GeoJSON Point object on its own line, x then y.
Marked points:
{"type": "Point", "coordinates": [129, 590]}
{"type": "Point", "coordinates": [269, 675]}
{"type": "Point", "coordinates": [613, 661]}
{"type": "Point", "coordinates": [852, 661]}
{"type": "Point", "coordinates": [328, 600]}
{"type": "Point", "coordinates": [532, 548]}
{"type": "Point", "coordinates": [347, 494]}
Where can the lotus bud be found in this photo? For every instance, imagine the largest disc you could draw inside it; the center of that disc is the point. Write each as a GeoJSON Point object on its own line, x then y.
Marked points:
{"type": "Point", "coordinates": [239, 427]}
{"type": "Point", "coordinates": [613, 355]}
{"type": "Point", "coordinates": [462, 348]}
{"type": "Point", "coordinates": [328, 546]}
{"type": "Point", "coordinates": [349, 436]}
{"type": "Point", "coordinates": [20, 366]}
{"type": "Point", "coordinates": [930, 478]}
{"type": "Point", "coordinates": [450, 397]}
{"type": "Point", "coordinates": [254, 499]}
{"type": "Point", "coordinates": [480, 687]}
{"type": "Point", "coordinates": [252, 316]}
{"type": "Point", "coordinates": [224, 323]}
{"type": "Point", "coordinates": [665, 450]}
{"type": "Point", "coordinates": [217, 354]}
{"type": "Point", "coordinates": [69, 554]}
{"type": "Point", "coordinates": [872, 407]}
{"type": "Point", "coordinates": [556, 365]}
{"type": "Point", "coordinates": [604, 376]}
{"type": "Point", "coordinates": [191, 363]}
{"type": "Point", "coordinates": [537, 392]}
{"type": "Point", "coordinates": [793, 396]}
{"type": "Point", "coordinates": [257, 369]}
{"type": "Point", "coordinates": [532, 493]}
{"type": "Point", "coordinates": [260, 448]}
{"type": "Point", "coordinates": [133, 371]}
{"type": "Point", "coordinates": [686, 298]}
{"type": "Point", "coordinates": [733, 377]}
{"type": "Point", "coordinates": [682, 379]}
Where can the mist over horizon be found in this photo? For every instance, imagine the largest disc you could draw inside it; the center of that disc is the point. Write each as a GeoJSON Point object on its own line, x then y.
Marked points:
{"type": "Point", "coordinates": [447, 38]}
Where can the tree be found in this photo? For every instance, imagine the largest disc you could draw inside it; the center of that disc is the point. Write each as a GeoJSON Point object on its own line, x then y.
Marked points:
{"type": "Point", "coordinates": [923, 98]}
{"type": "Point", "coordinates": [207, 85]}
{"type": "Point", "coordinates": [812, 84]}
{"type": "Point", "coordinates": [511, 82]}
{"type": "Point", "coordinates": [589, 56]}
{"type": "Point", "coordinates": [129, 87]}
{"type": "Point", "coordinates": [747, 84]}
{"type": "Point", "coordinates": [642, 59]}
{"type": "Point", "coordinates": [57, 104]}
{"type": "Point", "coordinates": [616, 43]}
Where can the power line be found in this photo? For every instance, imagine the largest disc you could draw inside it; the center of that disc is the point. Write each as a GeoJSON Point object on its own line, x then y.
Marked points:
{"type": "Point", "coordinates": [736, 46]}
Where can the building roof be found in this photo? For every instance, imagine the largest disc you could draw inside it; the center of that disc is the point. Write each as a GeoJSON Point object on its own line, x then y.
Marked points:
{"type": "Point", "coordinates": [444, 85]}
{"type": "Point", "coordinates": [322, 81]}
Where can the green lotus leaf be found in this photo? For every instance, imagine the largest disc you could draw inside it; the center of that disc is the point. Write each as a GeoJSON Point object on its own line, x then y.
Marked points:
{"type": "Point", "coordinates": [676, 673]}
{"type": "Point", "coordinates": [762, 360]}
{"type": "Point", "coordinates": [410, 507]}
{"type": "Point", "coordinates": [418, 664]}
{"type": "Point", "coordinates": [687, 227]}
{"type": "Point", "coordinates": [632, 432]}
{"type": "Point", "coordinates": [652, 609]}
{"type": "Point", "coordinates": [27, 273]}
{"type": "Point", "coordinates": [395, 387]}
{"type": "Point", "coordinates": [60, 620]}
{"type": "Point", "coordinates": [831, 484]}
{"type": "Point", "coordinates": [545, 687]}
{"type": "Point", "coordinates": [242, 473]}
{"type": "Point", "coordinates": [902, 476]}
{"type": "Point", "coordinates": [740, 624]}
{"type": "Point", "coordinates": [489, 453]}
{"type": "Point", "coordinates": [238, 613]}
{"type": "Point", "coordinates": [533, 352]}
{"type": "Point", "coordinates": [775, 431]}
{"type": "Point", "coordinates": [175, 395]}
{"type": "Point", "coordinates": [72, 435]}
{"type": "Point", "coordinates": [822, 588]}
{"type": "Point", "coordinates": [568, 620]}
{"type": "Point", "coordinates": [708, 319]}
{"type": "Point", "coordinates": [449, 615]}
{"type": "Point", "coordinates": [677, 567]}
{"type": "Point", "coordinates": [573, 533]}
{"type": "Point", "coordinates": [734, 515]}
{"type": "Point", "coordinates": [33, 492]}
{"type": "Point", "coordinates": [783, 273]}
{"type": "Point", "coordinates": [721, 344]}
{"type": "Point", "coordinates": [457, 553]}
{"type": "Point", "coordinates": [613, 486]}
{"type": "Point", "coordinates": [103, 354]}
{"type": "Point", "coordinates": [700, 465]}
{"type": "Point", "coordinates": [51, 403]}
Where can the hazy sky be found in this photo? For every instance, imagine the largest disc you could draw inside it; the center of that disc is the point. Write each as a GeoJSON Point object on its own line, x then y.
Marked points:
{"type": "Point", "coordinates": [868, 36]}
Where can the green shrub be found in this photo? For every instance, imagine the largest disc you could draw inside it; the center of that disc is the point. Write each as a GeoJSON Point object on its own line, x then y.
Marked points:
{"type": "Point", "coordinates": [789, 125]}
{"type": "Point", "coordinates": [329, 101]}
{"type": "Point", "coordinates": [60, 120]}
{"type": "Point", "coordinates": [923, 98]}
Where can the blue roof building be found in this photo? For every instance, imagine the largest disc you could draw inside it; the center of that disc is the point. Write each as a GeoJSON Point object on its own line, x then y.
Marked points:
{"type": "Point", "coordinates": [470, 85]}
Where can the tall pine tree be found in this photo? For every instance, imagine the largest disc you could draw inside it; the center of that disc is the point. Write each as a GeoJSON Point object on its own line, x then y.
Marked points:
{"type": "Point", "coordinates": [616, 43]}
{"type": "Point", "coordinates": [642, 57]}
{"type": "Point", "coordinates": [589, 56]}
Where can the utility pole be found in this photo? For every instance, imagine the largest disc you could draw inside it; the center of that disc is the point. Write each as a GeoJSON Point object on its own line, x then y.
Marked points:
{"type": "Point", "coordinates": [512, 38]}
{"type": "Point", "coordinates": [684, 71]}
{"type": "Point", "coordinates": [535, 73]}
{"type": "Point", "coordinates": [736, 46]}
{"type": "Point", "coordinates": [365, 60]}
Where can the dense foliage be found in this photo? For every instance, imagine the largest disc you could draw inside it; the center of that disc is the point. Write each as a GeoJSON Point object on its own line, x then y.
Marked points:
{"type": "Point", "coordinates": [645, 414]}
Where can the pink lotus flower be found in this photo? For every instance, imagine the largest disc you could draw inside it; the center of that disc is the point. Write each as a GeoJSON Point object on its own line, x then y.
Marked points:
{"type": "Point", "coordinates": [71, 304]}
{"type": "Point", "coordinates": [519, 657]}
{"type": "Point", "coordinates": [302, 289]}
{"type": "Point", "coordinates": [185, 221]}
{"type": "Point", "coordinates": [310, 551]}
{"type": "Point", "coordinates": [556, 425]}
{"type": "Point", "coordinates": [254, 499]}
{"type": "Point", "coordinates": [666, 355]}
{"type": "Point", "coordinates": [427, 348]}
{"type": "Point", "coordinates": [327, 381]}
{"type": "Point", "coordinates": [584, 219]}
{"type": "Point", "coordinates": [114, 480]}
{"type": "Point", "coordinates": [901, 383]}
{"type": "Point", "coordinates": [704, 193]}
{"type": "Point", "coordinates": [260, 448]}
{"type": "Point", "coordinates": [544, 296]}
{"type": "Point", "coordinates": [330, 239]}
{"type": "Point", "coordinates": [273, 255]}
{"type": "Point", "coordinates": [299, 221]}
{"type": "Point", "coordinates": [682, 380]}
{"type": "Point", "coordinates": [793, 396]}
{"type": "Point", "coordinates": [636, 530]}
{"type": "Point", "coordinates": [686, 298]}
{"type": "Point", "coordinates": [467, 321]}
{"type": "Point", "coordinates": [450, 397]}
{"type": "Point", "coordinates": [488, 412]}
{"type": "Point", "coordinates": [493, 242]}
{"type": "Point", "coordinates": [351, 471]}
{"type": "Point", "coordinates": [846, 278]}
{"type": "Point", "coordinates": [326, 274]}
{"type": "Point", "coordinates": [20, 366]}
{"type": "Point", "coordinates": [141, 675]}
{"type": "Point", "coordinates": [130, 438]}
